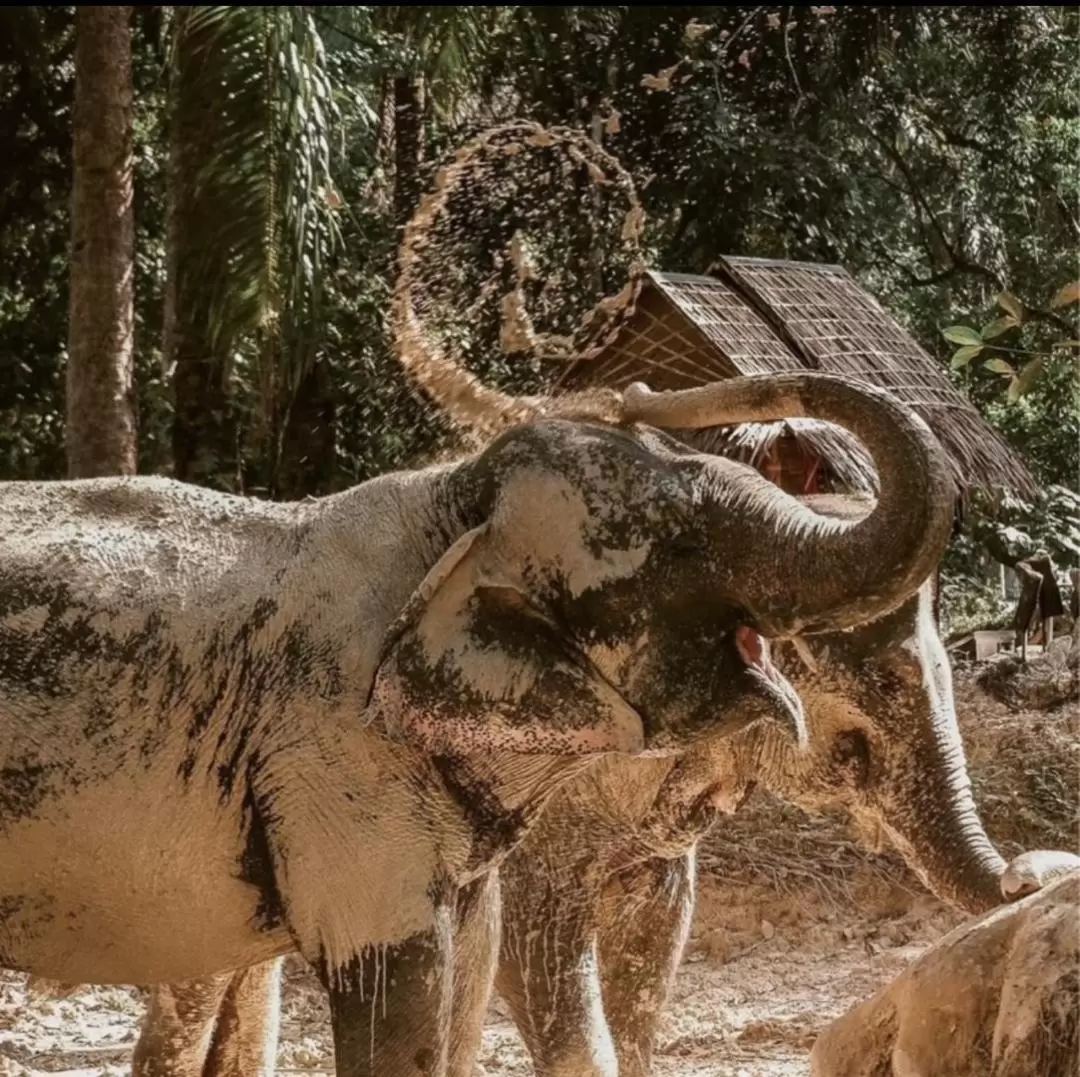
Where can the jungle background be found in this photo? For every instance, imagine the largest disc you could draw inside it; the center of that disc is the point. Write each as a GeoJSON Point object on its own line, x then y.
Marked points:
{"type": "Point", "coordinates": [226, 320]}
{"type": "Point", "coordinates": [200, 210]}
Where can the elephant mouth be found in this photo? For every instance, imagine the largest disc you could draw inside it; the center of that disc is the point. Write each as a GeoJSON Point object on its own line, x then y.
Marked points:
{"type": "Point", "coordinates": [766, 694]}
{"type": "Point", "coordinates": [672, 830]}
{"type": "Point", "coordinates": [753, 649]}
{"type": "Point", "coordinates": [725, 798]}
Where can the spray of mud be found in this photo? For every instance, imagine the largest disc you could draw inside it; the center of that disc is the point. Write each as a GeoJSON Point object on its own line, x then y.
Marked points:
{"type": "Point", "coordinates": [524, 255]}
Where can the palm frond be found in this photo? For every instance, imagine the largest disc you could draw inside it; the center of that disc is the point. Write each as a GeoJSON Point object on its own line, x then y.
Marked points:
{"type": "Point", "coordinates": [251, 115]}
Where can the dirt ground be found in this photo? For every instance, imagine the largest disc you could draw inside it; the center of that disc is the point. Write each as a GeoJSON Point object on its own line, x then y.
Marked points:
{"type": "Point", "coordinates": [794, 924]}
{"type": "Point", "coordinates": [746, 1005]}
{"type": "Point", "coordinates": [763, 976]}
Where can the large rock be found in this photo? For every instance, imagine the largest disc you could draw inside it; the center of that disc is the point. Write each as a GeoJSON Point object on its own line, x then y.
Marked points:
{"type": "Point", "coordinates": [997, 997]}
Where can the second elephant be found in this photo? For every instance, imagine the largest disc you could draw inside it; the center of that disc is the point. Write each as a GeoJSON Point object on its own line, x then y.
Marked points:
{"type": "Point", "coordinates": [597, 902]}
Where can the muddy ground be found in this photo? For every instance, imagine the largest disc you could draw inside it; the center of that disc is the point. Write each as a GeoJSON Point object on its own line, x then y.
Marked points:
{"type": "Point", "coordinates": [746, 1005]}
{"type": "Point", "coordinates": [794, 924]}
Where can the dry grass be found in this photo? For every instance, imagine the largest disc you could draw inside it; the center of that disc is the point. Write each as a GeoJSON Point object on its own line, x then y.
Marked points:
{"type": "Point", "coordinates": [1024, 751]}
{"type": "Point", "coordinates": [1024, 758]}
{"type": "Point", "coordinates": [812, 860]}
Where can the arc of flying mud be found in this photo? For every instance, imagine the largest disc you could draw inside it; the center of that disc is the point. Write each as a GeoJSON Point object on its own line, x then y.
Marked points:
{"type": "Point", "coordinates": [466, 400]}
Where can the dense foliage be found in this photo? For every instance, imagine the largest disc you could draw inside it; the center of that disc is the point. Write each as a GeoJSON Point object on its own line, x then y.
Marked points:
{"type": "Point", "coordinates": [934, 151]}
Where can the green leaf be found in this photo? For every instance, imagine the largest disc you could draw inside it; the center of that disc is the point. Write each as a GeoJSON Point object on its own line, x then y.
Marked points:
{"type": "Point", "coordinates": [1025, 379]}
{"type": "Point", "coordinates": [1011, 305]}
{"type": "Point", "coordinates": [1001, 325]}
{"type": "Point", "coordinates": [964, 355]}
{"type": "Point", "coordinates": [1069, 294]}
{"type": "Point", "coordinates": [999, 366]}
{"type": "Point", "coordinates": [961, 334]}
{"type": "Point", "coordinates": [250, 158]}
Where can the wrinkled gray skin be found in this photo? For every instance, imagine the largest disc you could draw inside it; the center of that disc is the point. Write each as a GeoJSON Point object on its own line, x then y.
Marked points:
{"type": "Point", "coordinates": [231, 729]}
{"type": "Point", "coordinates": [597, 899]}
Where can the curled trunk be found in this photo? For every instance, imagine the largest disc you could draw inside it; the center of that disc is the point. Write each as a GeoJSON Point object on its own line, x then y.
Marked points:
{"type": "Point", "coordinates": [820, 573]}
{"type": "Point", "coordinates": [811, 574]}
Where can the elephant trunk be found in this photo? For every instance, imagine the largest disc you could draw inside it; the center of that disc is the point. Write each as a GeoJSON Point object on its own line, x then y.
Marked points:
{"type": "Point", "coordinates": [817, 573]}
{"type": "Point", "coordinates": [942, 838]}
{"type": "Point", "coordinates": [928, 808]}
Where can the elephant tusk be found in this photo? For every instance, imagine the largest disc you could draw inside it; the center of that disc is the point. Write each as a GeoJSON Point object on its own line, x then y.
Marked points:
{"type": "Point", "coordinates": [802, 649]}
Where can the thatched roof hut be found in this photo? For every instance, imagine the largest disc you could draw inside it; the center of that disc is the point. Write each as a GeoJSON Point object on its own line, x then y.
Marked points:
{"type": "Point", "coordinates": [756, 316]}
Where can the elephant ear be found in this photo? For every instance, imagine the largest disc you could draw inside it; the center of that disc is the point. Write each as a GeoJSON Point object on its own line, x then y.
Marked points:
{"type": "Point", "coordinates": [473, 666]}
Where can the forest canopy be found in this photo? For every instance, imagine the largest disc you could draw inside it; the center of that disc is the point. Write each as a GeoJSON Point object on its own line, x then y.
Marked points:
{"type": "Point", "coordinates": [276, 152]}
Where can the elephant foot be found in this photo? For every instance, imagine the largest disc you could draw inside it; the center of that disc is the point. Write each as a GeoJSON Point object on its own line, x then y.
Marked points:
{"type": "Point", "coordinates": [1031, 871]}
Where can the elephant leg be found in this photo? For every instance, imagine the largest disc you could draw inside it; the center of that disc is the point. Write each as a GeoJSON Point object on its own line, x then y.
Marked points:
{"type": "Point", "coordinates": [176, 1033]}
{"type": "Point", "coordinates": [645, 916]}
{"type": "Point", "coordinates": [245, 1037]}
{"type": "Point", "coordinates": [476, 955]}
{"type": "Point", "coordinates": [390, 1007]}
{"type": "Point", "coordinates": [548, 973]}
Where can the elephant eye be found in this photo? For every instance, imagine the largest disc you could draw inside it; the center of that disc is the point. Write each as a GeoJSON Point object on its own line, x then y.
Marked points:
{"type": "Point", "coordinates": [686, 544]}
{"type": "Point", "coordinates": [851, 753]}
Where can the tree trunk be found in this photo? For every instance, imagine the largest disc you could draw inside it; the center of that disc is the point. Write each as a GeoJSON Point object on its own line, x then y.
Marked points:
{"type": "Point", "coordinates": [205, 428]}
{"type": "Point", "coordinates": [408, 144]}
{"type": "Point", "coordinates": [308, 455]}
{"type": "Point", "coordinates": [101, 430]}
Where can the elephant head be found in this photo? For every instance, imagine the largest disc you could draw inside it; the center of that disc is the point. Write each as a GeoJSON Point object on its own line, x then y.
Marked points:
{"type": "Point", "coordinates": [615, 589]}
{"type": "Point", "coordinates": [885, 744]}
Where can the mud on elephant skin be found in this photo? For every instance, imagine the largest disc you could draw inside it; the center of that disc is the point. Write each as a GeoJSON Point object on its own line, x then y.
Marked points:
{"type": "Point", "coordinates": [598, 898]}
{"type": "Point", "coordinates": [997, 997]}
{"type": "Point", "coordinates": [231, 729]}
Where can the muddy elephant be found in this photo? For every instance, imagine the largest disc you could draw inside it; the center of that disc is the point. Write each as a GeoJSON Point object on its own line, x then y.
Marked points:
{"type": "Point", "coordinates": [997, 997]}
{"type": "Point", "coordinates": [231, 729]}
{"type": "Point", "coordinates": [598, 899]}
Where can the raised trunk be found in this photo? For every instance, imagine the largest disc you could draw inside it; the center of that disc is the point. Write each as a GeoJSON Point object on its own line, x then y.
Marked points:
{"type": "Point", "coordinates": [100, 427]}
{"type": "Point", "coordinates": [819, 573]}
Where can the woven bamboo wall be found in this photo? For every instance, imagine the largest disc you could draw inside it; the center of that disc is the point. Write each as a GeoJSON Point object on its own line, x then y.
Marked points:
{"type": "Point", "coordinates": [757, 316]}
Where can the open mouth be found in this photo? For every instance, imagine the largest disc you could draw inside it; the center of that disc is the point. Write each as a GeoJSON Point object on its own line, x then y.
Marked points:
{"type": "Point", "coordinates": [721, 797]}
{"type": "Point", "coordinates": [753, 649]}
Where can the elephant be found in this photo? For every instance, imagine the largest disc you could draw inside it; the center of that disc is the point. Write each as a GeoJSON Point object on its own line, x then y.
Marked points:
{"type": "Point", "coordinates": [597, 899]}
{"type": "Point", "coordinates": [232, 729]}
{"type": "Point", "coordinates": [997, 997]}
